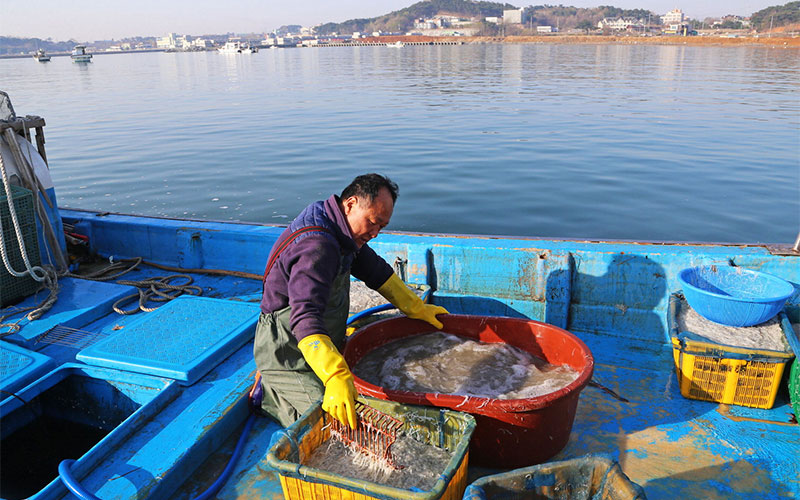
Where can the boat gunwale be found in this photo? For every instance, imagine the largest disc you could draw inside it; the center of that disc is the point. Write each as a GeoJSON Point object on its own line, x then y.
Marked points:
{"type": "Point", "coordinates": [767, 246]}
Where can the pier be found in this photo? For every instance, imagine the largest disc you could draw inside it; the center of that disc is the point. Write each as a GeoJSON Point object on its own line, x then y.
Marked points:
{"type": "Point", "coordinates": [384, 44]}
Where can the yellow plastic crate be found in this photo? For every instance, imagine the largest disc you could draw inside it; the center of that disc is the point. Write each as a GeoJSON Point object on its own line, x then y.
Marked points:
{"type": "Point", "coordinates": [725, 374]}
{"type": "Point", "coordinates": [444, 428]}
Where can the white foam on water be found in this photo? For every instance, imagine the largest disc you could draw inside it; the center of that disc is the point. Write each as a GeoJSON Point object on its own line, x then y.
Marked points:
{"type": "Point", "coordinates": [418, 464]}
{"type": "Point", "coordinates": [443, 363]}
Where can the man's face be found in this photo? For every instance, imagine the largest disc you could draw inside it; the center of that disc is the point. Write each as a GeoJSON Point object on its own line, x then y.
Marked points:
{"type": "Point", "coordinates": [365, 218]}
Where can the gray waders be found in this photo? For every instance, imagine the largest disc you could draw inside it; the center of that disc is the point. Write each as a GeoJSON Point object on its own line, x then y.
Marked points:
{"type": "Point", "coordinates": [290, 385]}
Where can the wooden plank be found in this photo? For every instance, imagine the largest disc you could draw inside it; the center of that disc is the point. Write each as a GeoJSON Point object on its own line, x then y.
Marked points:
{"type": "Point", "coordinates": [26, 122]}
{"type": "Point", "coordinates": [40, 144]}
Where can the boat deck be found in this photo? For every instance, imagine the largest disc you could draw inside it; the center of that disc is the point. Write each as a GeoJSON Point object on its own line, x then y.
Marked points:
{"type": "Point", "coordinates": [672, 446]}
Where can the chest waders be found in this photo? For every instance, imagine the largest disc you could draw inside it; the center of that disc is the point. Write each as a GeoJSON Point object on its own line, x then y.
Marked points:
{"type": "Point", "coordinates": [290, 386]}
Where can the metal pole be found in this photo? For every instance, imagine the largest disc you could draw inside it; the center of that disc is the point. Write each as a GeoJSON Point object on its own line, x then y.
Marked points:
{"type": "Point", "coordinates": [796, 246]}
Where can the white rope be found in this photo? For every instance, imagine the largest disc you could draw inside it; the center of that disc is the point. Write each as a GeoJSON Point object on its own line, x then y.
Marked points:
{"type": "Point", "coordinates": [29, 270]}
{"type": "Point", "coordinates": [48, 277]}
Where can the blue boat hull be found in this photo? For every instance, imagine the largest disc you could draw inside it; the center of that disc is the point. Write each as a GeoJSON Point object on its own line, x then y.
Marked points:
{"type": "Point", "coordinates": [613, 295]}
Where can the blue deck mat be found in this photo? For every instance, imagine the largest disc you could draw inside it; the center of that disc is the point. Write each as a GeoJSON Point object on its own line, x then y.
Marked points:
{"type": "Point", "coordinates": [79, 303]}
{"type": "Point", "coordinates": [20, 367]}
{"type": "Point", "coordinates": [181, 340]}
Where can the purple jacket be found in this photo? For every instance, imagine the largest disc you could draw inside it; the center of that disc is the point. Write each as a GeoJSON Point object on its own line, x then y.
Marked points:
{"type": "Point", "coordinates": [302, 275]}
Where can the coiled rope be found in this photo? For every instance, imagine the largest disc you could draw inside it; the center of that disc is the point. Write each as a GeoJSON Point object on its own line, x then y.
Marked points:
{"type": "Point", "coordinates": [43, 274]}
{"type": "Point", "coordinates": [29, 270]}
{"type": "Point", "coordinates": [155, 289]}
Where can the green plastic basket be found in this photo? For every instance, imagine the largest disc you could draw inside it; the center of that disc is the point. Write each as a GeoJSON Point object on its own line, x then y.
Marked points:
{"type": "Point", "coordinates": [13, 289]}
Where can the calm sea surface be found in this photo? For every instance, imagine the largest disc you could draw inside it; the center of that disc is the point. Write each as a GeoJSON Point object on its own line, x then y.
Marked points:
{"type": "Point", "coordinates": [632, 142]}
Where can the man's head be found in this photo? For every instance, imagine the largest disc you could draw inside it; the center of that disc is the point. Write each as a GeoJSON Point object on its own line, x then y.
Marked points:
{"type": "Point", "coordinates": [367, 204]}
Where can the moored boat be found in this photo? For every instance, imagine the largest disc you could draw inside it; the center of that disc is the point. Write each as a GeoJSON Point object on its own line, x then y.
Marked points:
{"type": "Point", "coordinates": [41, 56]}
{"type": "Point", "coordinates": [79, 54]}
{"type": "Point", "coordinates": [166, 390]}
{"type": "Point", "coordinates": [237, 47]}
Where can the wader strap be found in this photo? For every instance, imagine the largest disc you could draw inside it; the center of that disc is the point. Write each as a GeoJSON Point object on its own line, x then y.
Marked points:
{"type": "Point", "coordinates": [285, 243]}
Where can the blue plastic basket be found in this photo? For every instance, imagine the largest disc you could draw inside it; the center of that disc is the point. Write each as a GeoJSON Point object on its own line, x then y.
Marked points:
{"type": "Point", "coordinates": [734, 296]}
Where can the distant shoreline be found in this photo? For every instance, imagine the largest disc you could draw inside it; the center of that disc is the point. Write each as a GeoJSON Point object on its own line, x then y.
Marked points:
{"type": "Point", "coordinates": [774, 41]}
{"type": "Point", "coordinates": [766, 40]}
{"type": "Point", "coordinates": [763, 40]}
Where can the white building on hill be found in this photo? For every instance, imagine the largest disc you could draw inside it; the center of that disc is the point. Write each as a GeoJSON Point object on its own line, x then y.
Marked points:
{"type": "Point", "coordinates": [173, 41]}
{"type": "Point", "coordinates": [514, 16]}
{"type": "Point", "coordinates": [674, 16]}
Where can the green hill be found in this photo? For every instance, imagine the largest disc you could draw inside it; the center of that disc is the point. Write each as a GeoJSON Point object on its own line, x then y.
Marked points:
{"type": "Point", "coordinates": [539, 15]}
{"type": "Point", "coordinates": [403, 19]}
{"type": "Point", "coordinates": [14, 45]}
{"type": "Point", "coordinates": [776, 16]}
{"type": "Point", "coordinates": [574, 17]}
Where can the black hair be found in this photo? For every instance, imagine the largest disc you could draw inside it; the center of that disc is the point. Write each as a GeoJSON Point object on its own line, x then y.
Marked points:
{"type": "Point", "coordinates": [368, 186]}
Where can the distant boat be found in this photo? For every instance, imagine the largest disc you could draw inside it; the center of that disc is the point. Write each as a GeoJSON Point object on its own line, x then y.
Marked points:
{"type": "Point", "coordinates": [41, 56]}
{"type": "Point", "coordinates": [79, 54]}
{"type": "Point", "coordinates": [396, 44]}
{"type": "Point", "coordinates": [236, 47]}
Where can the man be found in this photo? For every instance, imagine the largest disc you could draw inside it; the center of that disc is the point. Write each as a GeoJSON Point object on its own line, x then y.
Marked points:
{"type": "Point", "coordinates": [306, 300]}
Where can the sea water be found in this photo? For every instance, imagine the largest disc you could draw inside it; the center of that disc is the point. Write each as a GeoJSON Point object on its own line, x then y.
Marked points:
{"type": "Point", "coordinates": [585, 141]}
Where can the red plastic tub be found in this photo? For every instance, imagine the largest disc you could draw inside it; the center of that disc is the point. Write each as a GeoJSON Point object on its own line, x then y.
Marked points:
{"type": "Point", "coordinates": [510, 433]}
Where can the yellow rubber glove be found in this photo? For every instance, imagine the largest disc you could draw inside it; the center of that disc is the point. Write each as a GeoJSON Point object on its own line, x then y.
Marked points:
{"type": "Point", "coordinates": [396, 292]}
{"type": "Point", "coordinates": [331, 368]}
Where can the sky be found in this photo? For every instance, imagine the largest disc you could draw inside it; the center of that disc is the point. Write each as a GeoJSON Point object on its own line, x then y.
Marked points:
{"type": "Point", "coordinates": [89, 20]}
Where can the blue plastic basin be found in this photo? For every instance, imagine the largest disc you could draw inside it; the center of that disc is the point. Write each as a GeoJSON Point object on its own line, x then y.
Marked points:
{"type": "Point", "coordinates": [734, 296]}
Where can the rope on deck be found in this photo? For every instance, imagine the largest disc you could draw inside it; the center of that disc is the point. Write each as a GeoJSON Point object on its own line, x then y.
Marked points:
{"type": "Point", "coordinates": [155, 289]}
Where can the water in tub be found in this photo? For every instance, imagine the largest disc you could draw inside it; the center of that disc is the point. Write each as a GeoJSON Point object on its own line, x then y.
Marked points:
{"type": "Point", "coordinates": [443, 363]}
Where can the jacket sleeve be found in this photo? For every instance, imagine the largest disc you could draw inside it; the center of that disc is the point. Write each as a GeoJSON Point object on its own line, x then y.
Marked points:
{"type": "Point", "coordinates": [370, 268]}
{"type": "Point", "coordinates": [312, 264]}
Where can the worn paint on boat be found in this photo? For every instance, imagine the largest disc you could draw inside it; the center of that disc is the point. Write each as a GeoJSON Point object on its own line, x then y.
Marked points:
{"type": "Point", "coordinates": [613, 295]}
